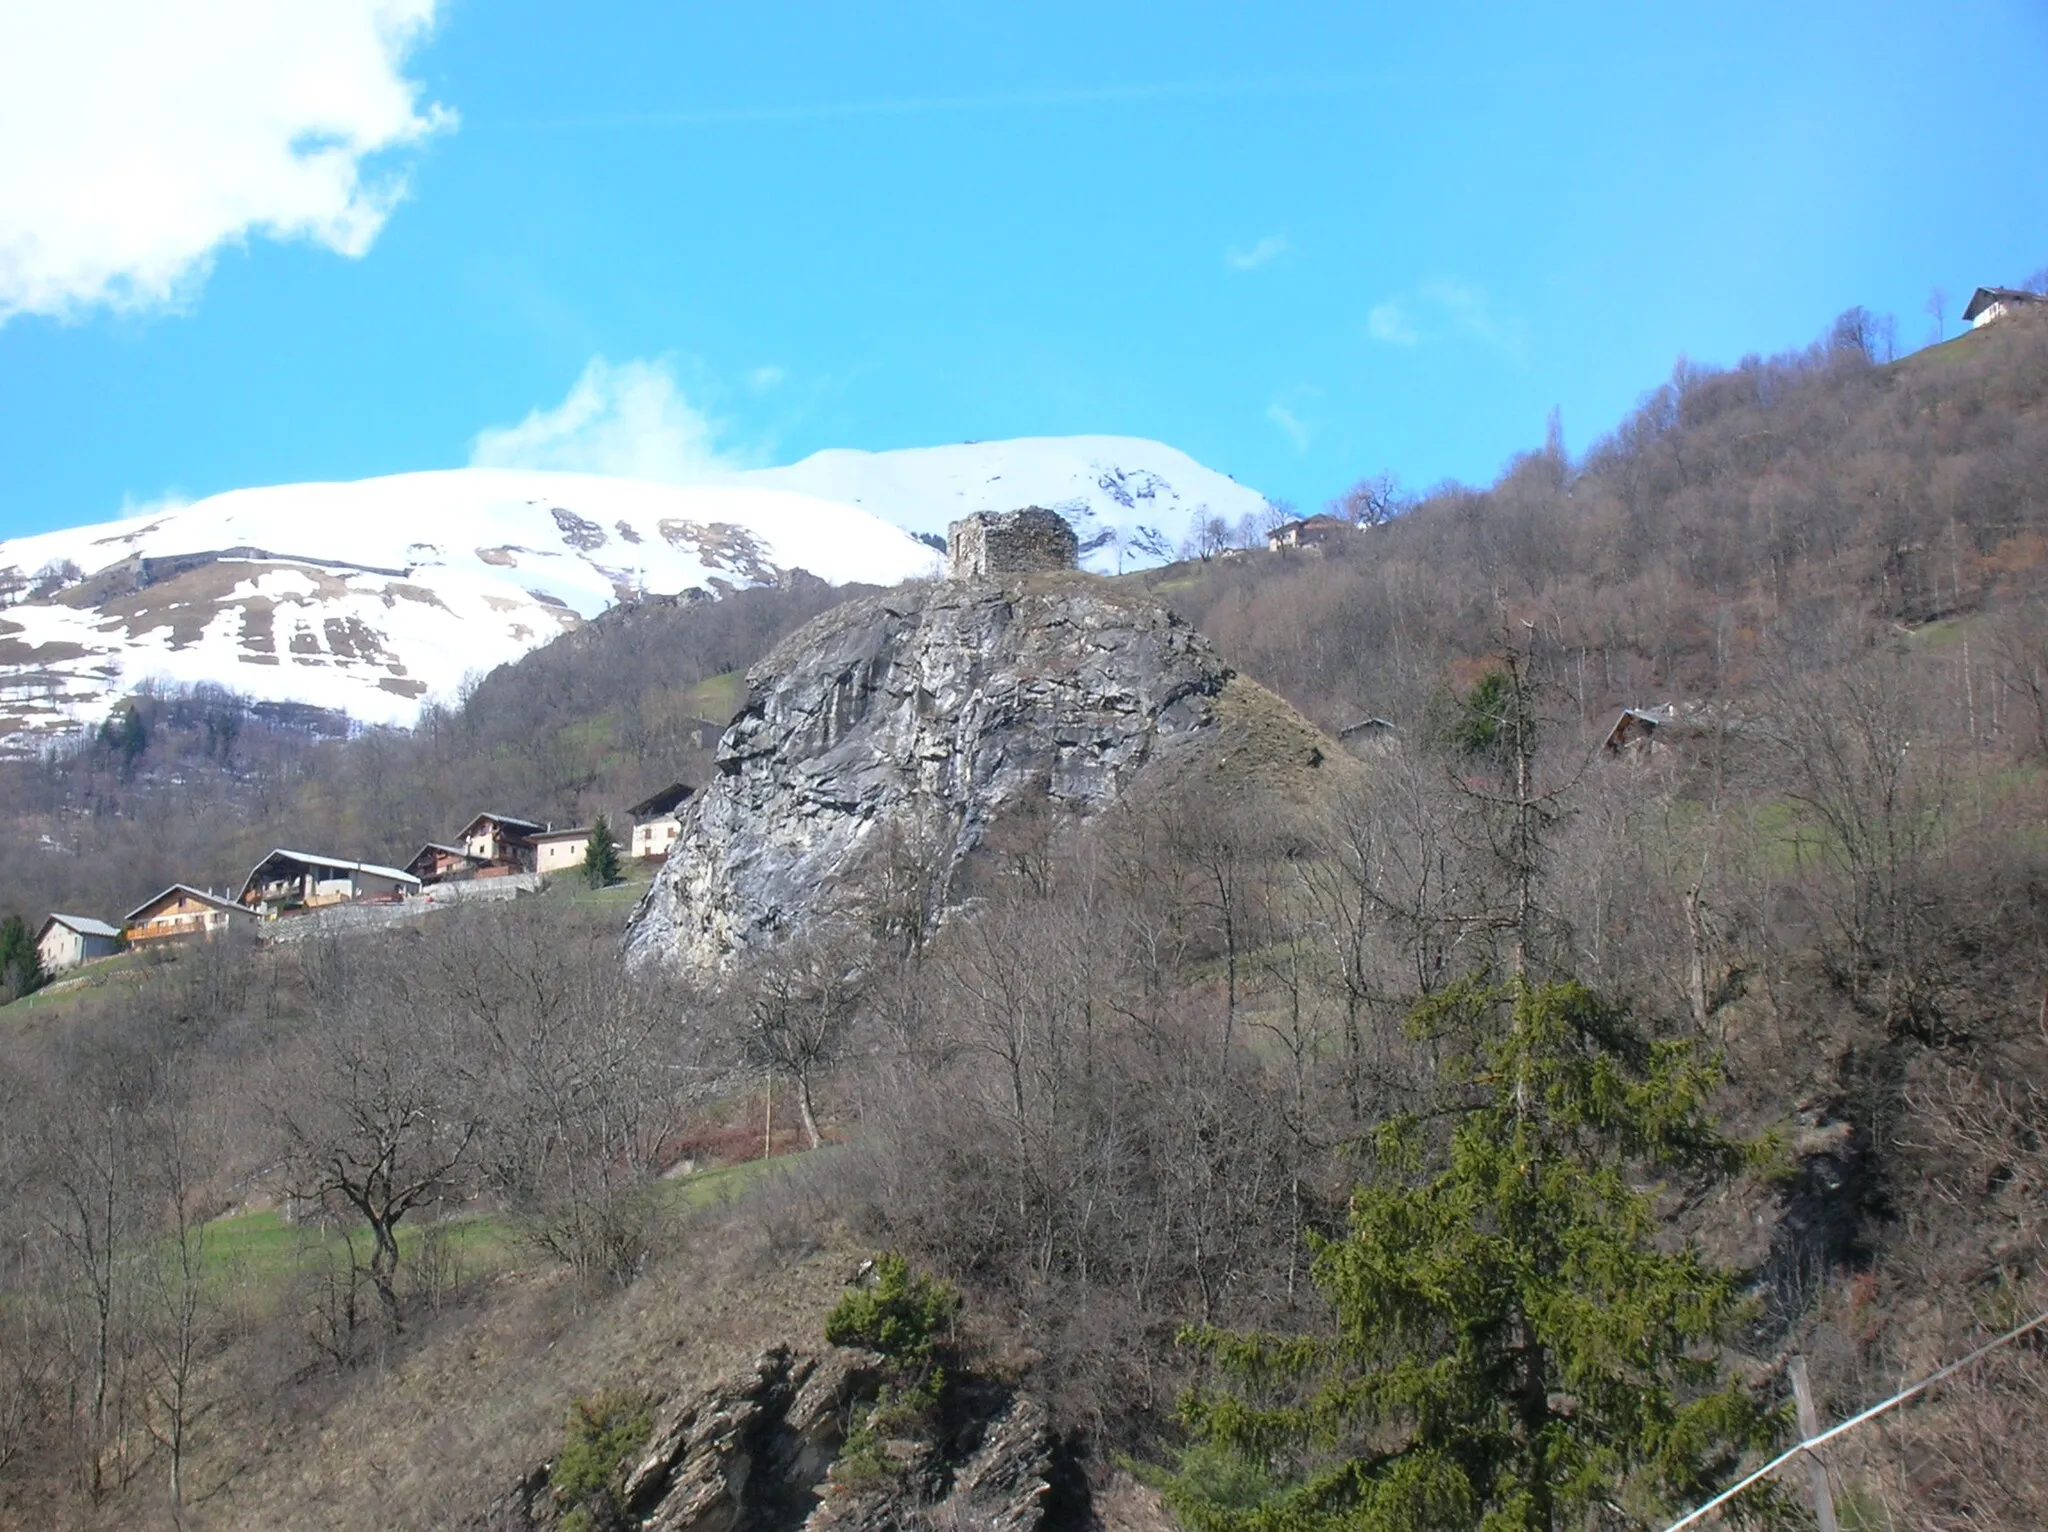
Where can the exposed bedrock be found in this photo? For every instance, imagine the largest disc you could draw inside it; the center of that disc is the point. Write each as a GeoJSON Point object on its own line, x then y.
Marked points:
{"type": "Point", "coordinates": [898, 728]}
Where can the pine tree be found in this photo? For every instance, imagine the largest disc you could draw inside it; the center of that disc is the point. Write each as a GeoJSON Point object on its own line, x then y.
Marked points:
{"type": "Point", "coordinates": [600, 856]}
{"type": "Point", "coordinates": [1513, 1347]}
{"type": "Point", "coordinates": [21, 965]}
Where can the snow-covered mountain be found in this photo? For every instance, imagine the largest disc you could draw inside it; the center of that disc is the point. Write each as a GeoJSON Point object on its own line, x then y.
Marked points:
{"type": "Point", "coordinates": [374, 597]}
{"type": "Point", "coordinates": [1130, 500]}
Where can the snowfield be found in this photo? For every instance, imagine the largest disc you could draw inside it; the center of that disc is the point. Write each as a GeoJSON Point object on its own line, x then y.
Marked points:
{"type": "Point", "coordinates": [1131, 501]}
{"type": "Point", "coordinates": [376, 597]}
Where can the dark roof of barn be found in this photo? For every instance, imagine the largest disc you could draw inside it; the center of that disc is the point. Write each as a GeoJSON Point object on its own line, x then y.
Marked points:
{"type": "Point", "coordinates": [1984, 297]}
{"type": "Point", "coordinates": [663, 802]}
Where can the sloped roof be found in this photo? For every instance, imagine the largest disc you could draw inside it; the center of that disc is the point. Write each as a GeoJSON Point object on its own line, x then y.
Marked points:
{"type": "Point", "coordinates": [434, 847]}
{"type": "Point", "coordinates": [182, 888]}
{"type": "Point", "coordinates": [1984, 297]}
{"type": "Point", "coordinates": [312, 859]}
{"type": "Point", "coordinates": [84, 925]}
{"type": "Point", "coordinates": [1316, 522]}
{"type": "Point", "coordinates": [663, 802]}
{"type": "Point", "coordinates": [509, 821]}
{"type": "Point", "coordinates": [581, 833]}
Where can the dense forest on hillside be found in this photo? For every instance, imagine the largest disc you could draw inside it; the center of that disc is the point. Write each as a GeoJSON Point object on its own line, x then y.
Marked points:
{"type": "Point", "coordinates": [1659, 1065]}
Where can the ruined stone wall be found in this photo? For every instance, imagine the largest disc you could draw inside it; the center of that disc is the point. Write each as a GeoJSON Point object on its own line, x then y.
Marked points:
{"type": "Point", "coordinates": [1010, 542]}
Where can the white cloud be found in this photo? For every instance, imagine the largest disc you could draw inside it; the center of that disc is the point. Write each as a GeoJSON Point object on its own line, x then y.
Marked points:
{"type": "Point", "coordinates": [1441, 307]}
{"type": "Point", "coordinates": [138, 137]}
{"type": "Point", "coordinates": [1272, 247]}
{"type": "Point", "coordinates": [761, 379]}
{"type": "Point", "coordinates": [1469, 313]}
{"type": "Point", "coordinates": [1390, 324]}
{"type": "Point", "coordinates": [170, 500]}
{"type": "Point", "coordinates": [631, 420]}
{"type": "Point", "coordinates": [1291, 425]}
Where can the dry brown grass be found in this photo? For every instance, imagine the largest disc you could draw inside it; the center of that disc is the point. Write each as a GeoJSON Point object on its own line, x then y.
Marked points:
{"type": "Point", "coordinates": [429, 1440]}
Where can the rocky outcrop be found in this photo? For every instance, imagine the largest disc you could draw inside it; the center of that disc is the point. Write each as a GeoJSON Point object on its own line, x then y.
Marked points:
{"type": "Point", "coordinates": [901, 727]}
{"type": "Point", "coordinates": [756, 1452]}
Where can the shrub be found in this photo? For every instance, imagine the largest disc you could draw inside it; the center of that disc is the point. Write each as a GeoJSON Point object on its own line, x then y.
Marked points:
{"type": "Point", "coordinates": [604, 1436]}
{"type": "Point", "coordinates": [903, 1317]}
{"type": "Point", "coordinates": [899, 1315]}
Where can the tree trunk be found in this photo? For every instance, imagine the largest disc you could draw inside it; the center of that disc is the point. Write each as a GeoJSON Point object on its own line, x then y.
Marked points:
{"type": "Point", "coordinates": [806, 1110]}
{"type": "Point", "coordinates": [1696, 959]}
{"type": "Point", "coordinates": [384, 1268]}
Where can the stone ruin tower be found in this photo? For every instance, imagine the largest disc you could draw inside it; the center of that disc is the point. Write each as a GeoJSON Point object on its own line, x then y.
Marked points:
{"type": "Point", "coordinates": [1010, 542]}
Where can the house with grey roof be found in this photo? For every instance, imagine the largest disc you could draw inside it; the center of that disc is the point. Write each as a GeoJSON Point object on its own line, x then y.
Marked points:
{"type": "Point", "coordinates": [66, 941]}
{"type": "Point", "coordinates": [289, 881]}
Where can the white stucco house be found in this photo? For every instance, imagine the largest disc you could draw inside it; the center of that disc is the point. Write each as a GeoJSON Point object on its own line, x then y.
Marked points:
{"type": "Point", "coordinates": [69, 940]}
{"type": "Point", "coordinates": [658, 821]}
{"type": "Point", "coordinates": [1989, 303]}
{"type": "Point", "coordinates": [558, 850]}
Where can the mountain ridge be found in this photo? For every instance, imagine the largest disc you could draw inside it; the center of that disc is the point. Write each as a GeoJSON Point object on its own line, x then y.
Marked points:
{"type": "Point", "coordinates": [1130, 500]}
{"type": "Point", "coordinates": [397, 590]}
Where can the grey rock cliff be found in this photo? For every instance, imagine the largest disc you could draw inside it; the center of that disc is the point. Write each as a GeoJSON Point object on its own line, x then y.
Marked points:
{"type": "Point", "coordinates": [757, 1452]}
{"type": "Point", "coordinates": [905, 725]}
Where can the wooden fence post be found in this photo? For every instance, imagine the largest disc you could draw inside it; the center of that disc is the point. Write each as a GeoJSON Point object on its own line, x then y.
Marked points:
{"type": "Point", "coordinates": [1809, 1428]}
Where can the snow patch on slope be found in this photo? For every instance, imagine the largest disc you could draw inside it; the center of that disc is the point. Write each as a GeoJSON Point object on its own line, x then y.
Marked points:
{"type": "Point", "coordinates": [377, 596]}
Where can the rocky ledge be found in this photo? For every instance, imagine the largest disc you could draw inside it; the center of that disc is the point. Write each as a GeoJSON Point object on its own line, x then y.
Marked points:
{"type": "Point", "coordinates": [903, 726]}
{"type": "Point", "coordinates": [758, 1452]}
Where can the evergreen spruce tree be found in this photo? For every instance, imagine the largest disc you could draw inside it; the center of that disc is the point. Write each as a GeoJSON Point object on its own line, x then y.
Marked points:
{"type": "Point", "coordinates": [1514, 1347]}
{"type": "Point", "coordinates": [21, 965]}
{"type": "Point", "coordinates": [600, 856]}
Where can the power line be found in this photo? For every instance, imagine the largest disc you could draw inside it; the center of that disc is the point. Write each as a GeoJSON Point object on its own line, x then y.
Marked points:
{"type": "Point", "coordinates": [1856, 1420]}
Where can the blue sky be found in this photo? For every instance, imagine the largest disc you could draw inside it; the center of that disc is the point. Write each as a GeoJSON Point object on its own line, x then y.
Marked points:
{"type": "Point", "coordinates": [1303, 243]}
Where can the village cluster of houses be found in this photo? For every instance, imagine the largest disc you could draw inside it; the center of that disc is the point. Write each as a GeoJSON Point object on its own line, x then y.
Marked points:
{"type": "Point", "coordinates": [493, 852]}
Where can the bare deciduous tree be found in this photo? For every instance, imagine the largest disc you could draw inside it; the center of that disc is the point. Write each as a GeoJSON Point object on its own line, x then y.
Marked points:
{"type": "Point", "coordinates": [376, 1111]}
{"type": "Point", "coordinates": [1373, 501]}
{"type": "Point", "coordinates": [181, 1317]}
{"type": "Point", "coordinates": [793, 1011]}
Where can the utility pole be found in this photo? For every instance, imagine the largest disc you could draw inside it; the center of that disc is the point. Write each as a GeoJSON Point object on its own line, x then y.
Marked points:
{"type": "Point", "coordinates": [1809, 1428]}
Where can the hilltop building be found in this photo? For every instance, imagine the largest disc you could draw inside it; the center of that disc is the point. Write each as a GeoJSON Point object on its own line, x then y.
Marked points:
{"type": "Point", "coordinates": [1989, 303]}
{"type": "Point", "coordinates": [1309, 532]}
{"type": "Point", "coordinates": [1010, 542]}
{"type": "Point", "coordinates": [69, 940]}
